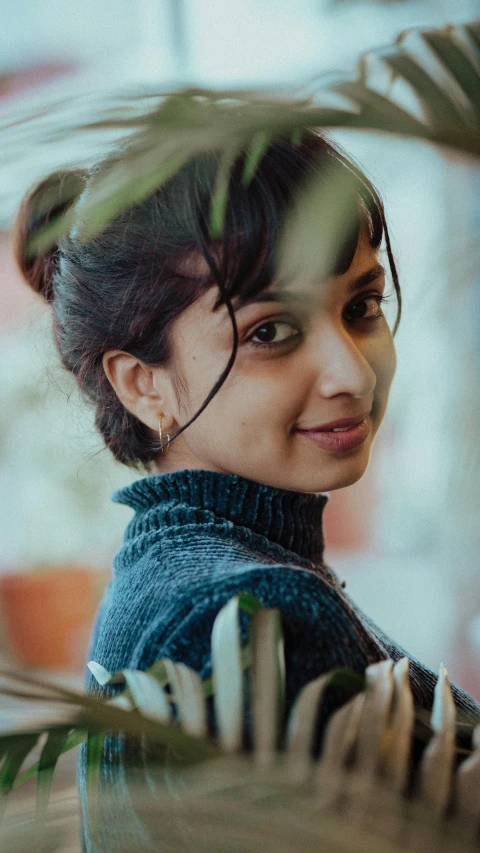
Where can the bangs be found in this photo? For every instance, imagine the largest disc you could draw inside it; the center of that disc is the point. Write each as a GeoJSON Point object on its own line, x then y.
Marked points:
{"type": "Point", "coordinates": [245, 256]}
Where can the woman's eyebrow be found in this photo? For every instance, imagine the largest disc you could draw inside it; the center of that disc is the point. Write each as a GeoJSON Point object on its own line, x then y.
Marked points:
{"type": "Point", "coordinates": [367, 278]}
{"type": "Point", "coordinates": [363, 280]}
{"type": "Point", "coordinates": [271, 296]}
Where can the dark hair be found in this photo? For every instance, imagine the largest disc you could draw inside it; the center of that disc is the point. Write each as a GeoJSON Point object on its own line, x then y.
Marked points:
{"type": "Point", "coordinates": [124, 288]}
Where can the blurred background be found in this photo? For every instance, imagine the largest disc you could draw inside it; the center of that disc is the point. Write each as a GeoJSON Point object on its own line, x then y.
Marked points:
{"type": "Point", "coordinates": [406, 538]}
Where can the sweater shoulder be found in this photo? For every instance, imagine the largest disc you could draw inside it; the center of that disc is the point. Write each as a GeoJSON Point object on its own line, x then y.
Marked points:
{"type": "Point", "coordinates": [319, 626]}
{"type": "Point", "coordinates": [294, 589]}
{"type": "Point", "coordinates": [172, 593]}
{"type": "Point", "coordinates": [199, 563]}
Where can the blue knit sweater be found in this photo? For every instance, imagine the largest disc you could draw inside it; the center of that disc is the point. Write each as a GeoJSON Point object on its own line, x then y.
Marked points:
{"type": "Point", "coordinates": [196, 539]}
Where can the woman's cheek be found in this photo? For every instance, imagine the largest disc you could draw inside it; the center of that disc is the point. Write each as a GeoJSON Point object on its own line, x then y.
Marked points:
{"type": "Point", "coordinates": [266, 407]}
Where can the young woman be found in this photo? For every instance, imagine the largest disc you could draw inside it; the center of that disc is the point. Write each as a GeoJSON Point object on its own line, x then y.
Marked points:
{"type": "Point", "coordinates": [243, 397]}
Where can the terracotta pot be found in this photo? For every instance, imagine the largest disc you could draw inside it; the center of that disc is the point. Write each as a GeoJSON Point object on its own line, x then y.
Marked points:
{"type": "Point", "coordinates": [48, 614]}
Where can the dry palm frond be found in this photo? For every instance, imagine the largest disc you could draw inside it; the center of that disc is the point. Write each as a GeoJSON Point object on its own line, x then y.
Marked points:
{"type": "Point", "coordinates": [361, 792]}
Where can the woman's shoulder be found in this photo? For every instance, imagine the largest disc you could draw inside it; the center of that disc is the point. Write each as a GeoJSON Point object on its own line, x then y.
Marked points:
{"type": "Point", "coordinates": [155, 607]}
{"type": "Point", "coordinates": [191, 568]}
{"type": "Point", "coordinates": [318, 624]}
{"type": "Point", "coordinates": [286, 585]}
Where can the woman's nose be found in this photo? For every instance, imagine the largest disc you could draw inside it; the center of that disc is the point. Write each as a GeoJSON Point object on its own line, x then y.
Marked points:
{"type": "Point", "coordinates": [340, 364]}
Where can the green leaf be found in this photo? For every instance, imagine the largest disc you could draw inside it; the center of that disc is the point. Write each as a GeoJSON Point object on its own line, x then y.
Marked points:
{"type": "Point", "coordinates": [258, 147]}
{"type": "Point", "coordinates": [159, 671]}
{"type": "Point", "coordinates": [375, 714]}
{"type": "Point", "coordinates": [46, 237]}
{"type": "Point", "coordinates": [180, 125]}
{"type": "Point", "coordinates": [4, 744]}
{"type": "Point", "coordinates": [45, 690]}
{"type": "Point", "coordinates": [297, 135]}
{"type": "Point", "coordinates": [438, 104]}
{"type": "Point", "coordinates": [379, 112]}
{"type": "Point", "coordinates": [249, 603]}
{"type": "Point", "coordinates": [348, 679]}
{"type": "Point", "coordinates": [460, 66]}
{"type": "Point", "coordinates": [109, 197]}
{"type": "Point", "coordinates": [218, 205]}
{"type": "Point", "coordinates": [473, 31]}
{"type": "Point", "coordinates": [97, 715]}
{"type": "Point", "coordinates": [401, 727]}
{"type": "Point", "coordinates": [19, 747]}
{"type": "Point", "coordinates": [340, 735]}
{"type": "Point", "coordinates": [95, 744]}
{"type": "Point", "coordinates": [316, 229]}
{"type": "Point", "coordinates": [51, 752]}
{"type": "Point", "coordinates": [437, 760]}
{"type": "Point", "coordinates": [94, 715]}
{"type": "Point", "coordinates": [76, 737]}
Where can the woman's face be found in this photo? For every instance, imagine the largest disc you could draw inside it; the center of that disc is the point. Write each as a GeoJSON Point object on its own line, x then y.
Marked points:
{"type": "Point", "coordinates": [305, 358]}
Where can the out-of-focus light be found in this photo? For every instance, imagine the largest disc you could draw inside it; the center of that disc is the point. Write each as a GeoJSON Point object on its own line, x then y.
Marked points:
{"type": "Point", "coordinates": [473, 635]}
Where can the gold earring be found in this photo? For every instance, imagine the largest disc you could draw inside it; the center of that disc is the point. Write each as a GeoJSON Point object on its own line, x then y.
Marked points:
{"type": "Point", "coordinates": [167, 443]}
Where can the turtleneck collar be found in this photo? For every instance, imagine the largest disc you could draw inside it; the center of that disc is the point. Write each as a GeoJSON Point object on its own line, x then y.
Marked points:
{"type": "Point", "coordinates": [290, 519]}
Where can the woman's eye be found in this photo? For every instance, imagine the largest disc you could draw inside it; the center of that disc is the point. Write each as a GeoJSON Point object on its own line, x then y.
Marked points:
{"type": "Point", "coordinates": [274, 332]}
{"type": "Point", "coordinates": [376, 299]}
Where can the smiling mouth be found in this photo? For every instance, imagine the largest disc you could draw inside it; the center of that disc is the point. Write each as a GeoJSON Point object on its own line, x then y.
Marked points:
{"type": "Point", "coordinates": [340, 441]}
{"type": "Point", "coordinates": [340, 425]}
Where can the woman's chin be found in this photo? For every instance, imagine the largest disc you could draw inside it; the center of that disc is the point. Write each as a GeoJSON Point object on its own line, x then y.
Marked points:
{"type": "Point", "coordinates": [338, 473]}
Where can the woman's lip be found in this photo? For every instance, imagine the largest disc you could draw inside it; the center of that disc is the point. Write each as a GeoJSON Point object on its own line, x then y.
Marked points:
{"type": "Point", "coordinates": [341, 422]}
{"type": "Point", "coordinates": [339, 441]}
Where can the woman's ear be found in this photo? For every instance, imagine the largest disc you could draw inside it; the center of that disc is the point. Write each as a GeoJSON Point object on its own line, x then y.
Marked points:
{"type": "Point", "coordinates": [145, 391]}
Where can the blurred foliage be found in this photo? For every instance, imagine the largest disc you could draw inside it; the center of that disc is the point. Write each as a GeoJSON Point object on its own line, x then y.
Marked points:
{"type": "Point", "coordinates": [425, 86]}
{"type": "Point", "coordinates": [208, 789]}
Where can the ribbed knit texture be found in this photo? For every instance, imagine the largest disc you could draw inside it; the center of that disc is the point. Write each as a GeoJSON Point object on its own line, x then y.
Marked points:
{"type": "Point", "coordinates": [196, 539]}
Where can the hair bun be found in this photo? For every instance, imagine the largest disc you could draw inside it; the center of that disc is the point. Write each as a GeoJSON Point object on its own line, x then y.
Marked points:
{"type": "Point", "coordinates": [46, 200]}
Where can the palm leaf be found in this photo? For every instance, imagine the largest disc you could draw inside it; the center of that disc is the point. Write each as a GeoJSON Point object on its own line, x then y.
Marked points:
{"type": "Point", "coordinates": [268, 683]}
{"type": "Point", "coordinates": [188, 694]}
{"type": "Point", "coordinates": [95, 744]}
{"type": "Point", "coordinates": [17, 750]}
{"type": "Point", "coordinates": [219, 200]}
{"type": "Point", "coordinates": [467, 783]}
{"type": "Point", "coordinates": [314, 229]}
{"type": "Point", "coordinates": [228, 800]}
{"type": "Point", "coordinates": [438, 759]}
{"type": "Point", "coordinates": [399, 745]}
{"type": "Point", "coordinates": [148, 696]}
{"type": "Point", "coordinates": [72, 740]}
{"type": "Point", "coordinates": [51, 752]}
{"type": "Point", "coordinates": [458, 61]}
{"type": "Point", "coordinates": [168, 129]}
{"type": "Point", "coordinates": [228, 675]}
{"type": "Point", "coordinates": [257, 149]}
{"type": "Point", "coordinates": [301, 724]}
{"type": "Point", "coordinates": [441, 109]}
